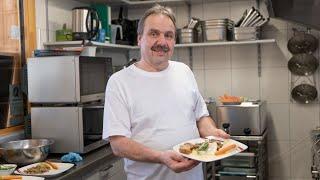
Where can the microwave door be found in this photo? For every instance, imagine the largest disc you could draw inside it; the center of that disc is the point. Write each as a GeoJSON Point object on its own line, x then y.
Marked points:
{"type": "Point", "coordinates": [53, 80]}
{"type": "Point", "coordinates": [92, 127]}
{"type": "Point", "coordinates": [60, 124]}
{"type": "Point", "coordinates": [93, 74]}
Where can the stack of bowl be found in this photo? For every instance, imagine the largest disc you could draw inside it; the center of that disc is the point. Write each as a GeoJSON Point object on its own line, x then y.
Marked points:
{"type": "Point", "coordinates": [218, 29]}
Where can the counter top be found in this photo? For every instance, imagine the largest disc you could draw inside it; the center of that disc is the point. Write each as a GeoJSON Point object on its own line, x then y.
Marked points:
{"type": "Point", "coordinates": [90, 162]}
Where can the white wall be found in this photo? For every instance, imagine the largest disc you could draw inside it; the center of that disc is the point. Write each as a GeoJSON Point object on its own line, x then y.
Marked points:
{"type": "Point", "coordinates": [233, 70]}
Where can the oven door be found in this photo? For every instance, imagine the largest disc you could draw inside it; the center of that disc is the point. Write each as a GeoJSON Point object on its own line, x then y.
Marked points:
{"type": "Point", "coordinates": [94, 73]}
{"type": "Point", "coordinates": [92, 119]}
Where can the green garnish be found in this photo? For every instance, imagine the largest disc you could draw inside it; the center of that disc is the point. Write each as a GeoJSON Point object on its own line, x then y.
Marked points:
{"type": "Point", "coordinates": [3, 167]}
{"type": "Point", "coordinates": [203, 147]}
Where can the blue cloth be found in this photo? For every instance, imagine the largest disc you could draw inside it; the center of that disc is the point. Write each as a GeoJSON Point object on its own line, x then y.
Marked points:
{"type": "Point", "coordinates": [71, 157]}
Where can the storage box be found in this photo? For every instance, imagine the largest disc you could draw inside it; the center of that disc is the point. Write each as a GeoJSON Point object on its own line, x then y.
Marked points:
{"type": "Point", "coordinates": [246, 33]}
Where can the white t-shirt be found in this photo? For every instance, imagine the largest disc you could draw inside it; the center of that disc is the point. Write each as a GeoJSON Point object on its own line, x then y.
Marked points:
{"type": "Point", "coordinates": [156, 109]}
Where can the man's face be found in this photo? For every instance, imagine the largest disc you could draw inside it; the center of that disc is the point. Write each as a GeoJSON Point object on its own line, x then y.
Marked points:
{"type": "Point", "coordinates": [158, 39]}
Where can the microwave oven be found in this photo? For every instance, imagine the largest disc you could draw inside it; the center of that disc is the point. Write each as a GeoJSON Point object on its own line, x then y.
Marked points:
{"type": "Point", "coordinates": [67, 79]}
{"type": "Point", "coordinates": [74, 129]}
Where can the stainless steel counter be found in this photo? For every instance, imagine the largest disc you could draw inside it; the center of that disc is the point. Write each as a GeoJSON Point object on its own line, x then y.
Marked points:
{"type": "Point", "coordinates": [91, 161]}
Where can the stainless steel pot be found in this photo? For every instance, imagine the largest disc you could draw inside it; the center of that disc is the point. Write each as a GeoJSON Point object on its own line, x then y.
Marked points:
{"type": "Point", "coordinates": [304, 93]}
{"type": "Point", "coordinates": [303, 64]}
{"type": "Point", "coordinates": [25, 152]}
{"type": "Point", "coordinates": [186, 35]}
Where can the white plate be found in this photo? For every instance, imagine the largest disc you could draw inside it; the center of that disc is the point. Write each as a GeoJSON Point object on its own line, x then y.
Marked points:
{"type": "Point", "coordinates": [32, 178]}
{"type": "Point", "coordinates": [210, 156]}
{"type": "Point", "coordinates": [62, 167]}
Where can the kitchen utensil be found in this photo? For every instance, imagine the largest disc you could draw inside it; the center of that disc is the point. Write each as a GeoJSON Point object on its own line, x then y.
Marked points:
{"type": "Point", "coordinates": [246, 33]}
{"type": "Point", "coordinates": [85, 23]}
{"type": "Point", "coordinates": [261, 23]}
{"type": "Point", "coordinates": [247, 16]}
{"type": "Point", "coordinates": [302, 42]}
{"type": "Point", "coordinates": [186, 35]}
{"type": "Point", "coordinates": [25, 152]}
{"type": "Point", "coordinates": [116, 33]}
{"type": "Point", "coordinates": [304, 93]}
{"type": "Point", "coordinates": [254, 15]}
{"type": "Point", "coordinates": [217, 29]}
{"type": "Point", "coordinates": [258, 18]}
{"type": "Point", "coordinates": [242, 18]}
{"type": "Point", "coordinates": [303, 64]}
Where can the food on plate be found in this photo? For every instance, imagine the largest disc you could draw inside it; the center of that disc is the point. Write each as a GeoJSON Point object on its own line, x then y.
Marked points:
{"type": "Point", "coordinates": [52, 165]}
{"type": "Point", "coordinates": [198, 148]}
{"type": "Point", "coordinates": [187, 148]}
{"type": "Point", "coordinates": [207, 148]}
{"type": "Point", "coordinates": [10, 177]}
{"type": "Point", "coordinates": [38, 169]}
{"type": "Point", "coordinates": [228, 99]}
{"type": "Point", "coordinates": [225, 149]}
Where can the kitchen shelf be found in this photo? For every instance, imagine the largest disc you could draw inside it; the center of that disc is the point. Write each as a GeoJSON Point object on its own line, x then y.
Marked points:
{"type": "Point", "coordinates": [227, 43]}
{"type": "Point", "coordinates": [128, 47]}
{"type": "Point", "coordinates": [93, 43]}
{"type": "Point", "coordinates": [148, 2]}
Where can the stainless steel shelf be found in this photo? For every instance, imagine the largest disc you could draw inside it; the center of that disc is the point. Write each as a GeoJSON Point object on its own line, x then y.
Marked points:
{"type": "Point", "coordinates": [128, 47]}
{"type": "Point", "coordinates": [149, 2]}
{"type": "Point", "coordinates": [79, 44]}
{"type": "Point", "coordinates": [227, 43]}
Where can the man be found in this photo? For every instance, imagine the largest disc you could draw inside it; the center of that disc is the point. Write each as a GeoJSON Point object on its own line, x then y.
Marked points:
{"type": "Point", "coordinates": [155, 104]}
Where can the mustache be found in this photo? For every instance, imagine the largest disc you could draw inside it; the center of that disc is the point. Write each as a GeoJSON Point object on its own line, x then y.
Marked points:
{"type": "Point", "coordinates": [158, 48]}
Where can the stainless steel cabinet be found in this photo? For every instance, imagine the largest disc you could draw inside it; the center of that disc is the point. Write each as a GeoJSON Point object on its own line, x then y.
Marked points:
{"type": "Point", "coordinates": [113, 171]}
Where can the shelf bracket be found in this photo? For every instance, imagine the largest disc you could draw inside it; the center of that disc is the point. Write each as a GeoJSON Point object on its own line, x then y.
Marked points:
{"type": "Point", "coordinates": [259, 60]}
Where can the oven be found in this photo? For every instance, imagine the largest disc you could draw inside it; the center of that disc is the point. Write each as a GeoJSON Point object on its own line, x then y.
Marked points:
{"type": "Point", "coordinates": [74, 128]}
{"type": "Point", "coordinates": [67, 79]}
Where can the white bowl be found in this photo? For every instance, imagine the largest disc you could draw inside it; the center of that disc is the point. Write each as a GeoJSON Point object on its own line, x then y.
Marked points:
{"type": "Point", "coordinates": [7, 169]}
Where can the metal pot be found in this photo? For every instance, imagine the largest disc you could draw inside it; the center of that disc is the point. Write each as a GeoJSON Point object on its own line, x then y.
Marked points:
{"type": "Point", "coordinates": [186, 35]}
{"type": "Point", "coordinates": [303, 64]}
{"type": "Point", "coordinates": [25, 152]}
{"type": "Point", "coordinates": [302, 42]}
{"type": "Point", "coordinates": [304, 93]}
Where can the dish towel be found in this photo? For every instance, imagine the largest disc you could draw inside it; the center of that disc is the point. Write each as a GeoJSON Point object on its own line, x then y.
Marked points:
{"type": "Point", "coordinates": [71, 157]}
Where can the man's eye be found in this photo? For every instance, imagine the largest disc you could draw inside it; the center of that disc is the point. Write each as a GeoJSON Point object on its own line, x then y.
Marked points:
{"type": "Point", "coordinates": [169, 36]}
{"type": "Point", "coordinates": [154, 34]}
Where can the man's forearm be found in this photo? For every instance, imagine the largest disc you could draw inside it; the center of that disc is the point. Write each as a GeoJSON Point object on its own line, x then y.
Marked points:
{"type": "Point", "coordinates": [206, 126]}
{"type": "Point", "coordinates": [125, 147]}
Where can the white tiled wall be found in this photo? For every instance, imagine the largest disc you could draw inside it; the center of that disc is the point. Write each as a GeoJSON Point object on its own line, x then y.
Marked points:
{"type": "Point", "coordinates": [233, 70]}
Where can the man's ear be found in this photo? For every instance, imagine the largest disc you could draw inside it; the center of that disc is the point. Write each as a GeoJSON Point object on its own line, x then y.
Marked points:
{"type": "Point", "coordinates": [139, 39]}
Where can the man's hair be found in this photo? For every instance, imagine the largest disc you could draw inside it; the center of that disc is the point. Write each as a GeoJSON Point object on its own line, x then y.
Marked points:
{"type": "Point", "coordinates": [157, 9]}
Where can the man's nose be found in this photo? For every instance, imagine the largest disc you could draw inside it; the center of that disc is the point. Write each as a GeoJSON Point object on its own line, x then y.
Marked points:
{"type": "Point", "coordinates": [162, 39]}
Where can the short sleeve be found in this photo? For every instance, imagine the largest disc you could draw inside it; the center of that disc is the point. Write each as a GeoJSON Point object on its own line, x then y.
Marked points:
{"type": "Point", "coordinates": [116, 119]}
{"type": "Point", "coordinates": [200, 108]}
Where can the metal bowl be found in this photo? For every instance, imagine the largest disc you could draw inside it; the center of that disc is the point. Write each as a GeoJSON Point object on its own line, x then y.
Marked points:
{"type": "Point", "coordinates": [24, 152]}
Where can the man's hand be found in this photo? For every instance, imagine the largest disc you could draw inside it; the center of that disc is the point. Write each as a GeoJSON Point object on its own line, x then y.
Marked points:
{"type": "Point", "coordinates": [177, 162]}
{"type": "Point", "coordinates": [207, 127]}
{"type": "Point", "coordinates": [221, 133]}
